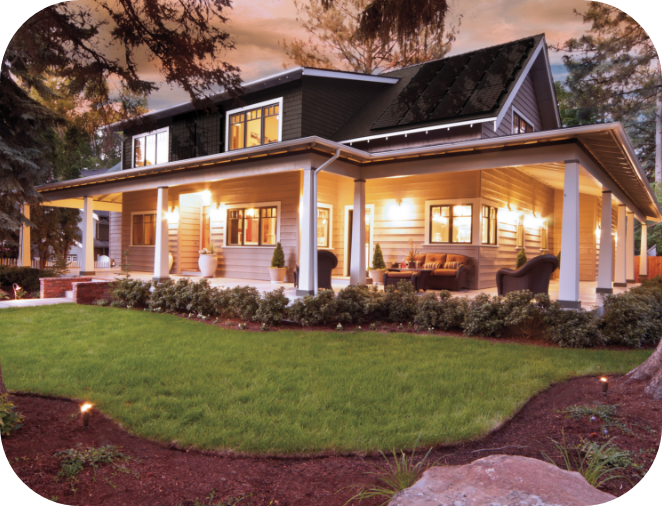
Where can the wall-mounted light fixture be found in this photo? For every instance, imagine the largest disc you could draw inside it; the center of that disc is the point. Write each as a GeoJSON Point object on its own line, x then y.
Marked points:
{"type": "Point", "coordinates": [172, 216]}
{"type": "Point", "coordinates": [216, 213]}
{"type": "Point", "coordinates": [205, 197]}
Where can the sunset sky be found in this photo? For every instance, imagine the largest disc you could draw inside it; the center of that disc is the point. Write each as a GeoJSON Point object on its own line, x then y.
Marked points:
{"type": "Point", "coordinates": [260, 26]}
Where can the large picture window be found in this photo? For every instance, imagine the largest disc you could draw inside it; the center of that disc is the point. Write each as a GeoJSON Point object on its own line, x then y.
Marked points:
{"type": "Point", "coordinates": [143, 229]}
{"type": "Point", "coordinates": [489, 224]}
{"type": "Point", "coordinates": [253, 226]}
{"type": "Point", "coordinates": [255, 127]}
{"type": "Point", "coordinates": [451, 224]}
{"type": "Point", "coordinates": [150, 148]}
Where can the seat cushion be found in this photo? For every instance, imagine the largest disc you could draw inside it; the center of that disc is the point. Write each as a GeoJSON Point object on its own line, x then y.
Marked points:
{"type": "Point", "coordinates": [458, 258]}
{"type": "Point", "coordinates": [439, 258]}
{"type": "Point", "coordinates": [403, 275]}
{"type": "Point", "coordinates": [445, 272]}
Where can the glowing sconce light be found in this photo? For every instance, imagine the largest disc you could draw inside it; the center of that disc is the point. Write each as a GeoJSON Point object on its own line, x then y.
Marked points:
{"type": "Point", "coordinates": [172, 216]}
{"type": "Point", "coordinates": [216, 214]}
{"type": "Point", "coordinates": [205, 196]}
{"type": "Point", "coordinates": [531, 221]}
{"type": "Point", "coordinates": [509, 216]}
{"type": "Point", "coordinates": [598, 232]}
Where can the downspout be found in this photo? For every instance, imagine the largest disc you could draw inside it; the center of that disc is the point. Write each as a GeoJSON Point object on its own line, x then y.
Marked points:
{"type": "Point", "coordinates": [313, 220]}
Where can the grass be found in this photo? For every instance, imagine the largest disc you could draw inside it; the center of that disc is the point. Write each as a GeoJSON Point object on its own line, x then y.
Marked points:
{"type": "Point", "coordinates": [168, 378]}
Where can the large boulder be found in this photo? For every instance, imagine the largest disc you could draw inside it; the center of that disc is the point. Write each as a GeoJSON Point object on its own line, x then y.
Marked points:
{"type": "Point", "coordinates": [501, 480]}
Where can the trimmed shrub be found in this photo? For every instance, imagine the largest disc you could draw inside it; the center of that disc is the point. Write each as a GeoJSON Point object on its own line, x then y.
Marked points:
{"type": "Point", "coordinates": [527, 313]}
{"type": "Point", "coordinates": [131, 292]}
{"type": "Point", "coordinates": [26, 277]}
{"type": "Point", "coordinates": [272, 307]}
{"type": "Point", "coordinates": [632, 319]}
{"type": "Point", "coordinates": [170, 296]}
{"type": "Point", "coordinates": [358, 304]}
{"type": "Point", "coordinates": [278, 258]}
{"type": "Point", "coordinates": [317, 309]}
{"type": "Point", "coordinates": [400, 304]}
{"type": "Point", "coordinates": [243, 302]}
{"type": "Point", "coordinates": [10, 419]}
{"type": "Point", "coordinates": [574, 329]}
{"type": "Point", "coordinates": [200, 298]}
{"type": "Point", "coordinates": [442, 312]}
{"type": "Point", "coordinates": [378, 258]}
{"type": "Point", "coordinates": [521, 258]}
{"type": "Point", "coordinates": [484, 316]}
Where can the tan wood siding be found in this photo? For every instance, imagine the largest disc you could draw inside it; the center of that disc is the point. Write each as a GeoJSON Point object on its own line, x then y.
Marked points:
{"type": "Point", "coordinates": [511, 186]}
{"type": "Point", "coordinates": [527, 103]}
{"type": "Point", "coordinates": [189, 232]}
{"type": "Point", "coordinates": [115, 237]}
{"type": "Point", "coordinates": [141, 258]}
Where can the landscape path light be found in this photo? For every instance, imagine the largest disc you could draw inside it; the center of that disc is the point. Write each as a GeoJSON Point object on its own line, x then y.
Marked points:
{"type": "Point", "coordinates": [85, 411]}
{"type": "Point", "coordinates": [605, 385]}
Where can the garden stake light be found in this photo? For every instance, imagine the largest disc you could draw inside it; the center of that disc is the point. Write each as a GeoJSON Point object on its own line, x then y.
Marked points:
{"type": "Point", "coordinates": [85, 410]}
{"type": "Point", "coordinates": [605, 385]}
{"type": "Point", "coordinates": [16, 289]}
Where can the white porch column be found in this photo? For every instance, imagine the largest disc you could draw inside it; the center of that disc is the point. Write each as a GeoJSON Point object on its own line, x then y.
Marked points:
{"type": "Point", "coordinates": [605, 268]}
{"type": "Point", "coordinates": [629, 249]}
{"type": "Point", "coordinates": [161, 261]}
{"type": "Point", "coordinates": [87, 262]}
{"type": "Point", "coordinates": [306, 281]}
{"type": "Point", "coordinates": [643, 256]}
{"type": "Point", "coordinates": [569, 278]}
{"type": "Point", "coordinates": [357, 268]}
{"type": "Point", "coordinates": [621, 242]}
{"type": "Point", "coordinates": [24, 256]}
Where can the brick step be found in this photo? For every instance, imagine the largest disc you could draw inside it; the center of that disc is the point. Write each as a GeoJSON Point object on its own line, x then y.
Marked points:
{"type": "Point", "coordinates": [69, 294]}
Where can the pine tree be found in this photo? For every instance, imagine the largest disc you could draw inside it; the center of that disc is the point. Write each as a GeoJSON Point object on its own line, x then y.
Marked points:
{"type": "Point", "coordinates": [378, 259]}
{"type": "Point", "coordinates": [278, 258]}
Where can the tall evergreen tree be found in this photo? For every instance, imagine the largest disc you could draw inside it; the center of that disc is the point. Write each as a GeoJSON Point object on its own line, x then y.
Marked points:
{"type": "Point", "coordinates": [614, 75]}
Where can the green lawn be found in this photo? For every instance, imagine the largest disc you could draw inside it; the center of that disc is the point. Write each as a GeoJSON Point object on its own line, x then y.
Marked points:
{"type": "Point", "coordinates": [168, 378]}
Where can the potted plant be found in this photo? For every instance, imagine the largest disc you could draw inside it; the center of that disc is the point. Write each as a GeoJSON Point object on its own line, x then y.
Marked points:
{"type": "Point", "coordinates": [378, 265]}
{"type": "Point", "coordinates": [208, 261]}
{"type": "Point", "coordinates": [278, 270]}
{"type": "Point", "coordinates": [410, 254]}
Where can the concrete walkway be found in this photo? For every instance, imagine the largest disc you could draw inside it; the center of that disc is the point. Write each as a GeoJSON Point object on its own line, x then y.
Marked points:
{"type": "Point", "coordinates": [34, 302]}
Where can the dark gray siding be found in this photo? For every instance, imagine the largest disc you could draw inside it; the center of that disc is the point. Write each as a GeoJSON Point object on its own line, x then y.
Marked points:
{"type": "Point", "coordinates": [527, 103]}
{"type": "Point", "coordinates": [330, 103]}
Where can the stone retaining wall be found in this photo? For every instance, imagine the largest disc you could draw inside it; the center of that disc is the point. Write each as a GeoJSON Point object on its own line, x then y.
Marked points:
{"type": "Point", "coordinates": [53, 288]}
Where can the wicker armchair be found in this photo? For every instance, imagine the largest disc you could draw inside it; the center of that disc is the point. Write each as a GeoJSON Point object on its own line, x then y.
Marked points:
{"type": "Point", "coordinates": [326, 262]}
{"type": "Point", "coordinates": [533, 276]}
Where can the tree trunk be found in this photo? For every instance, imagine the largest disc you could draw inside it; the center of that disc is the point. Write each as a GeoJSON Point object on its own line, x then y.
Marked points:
{"type": "Point", "coordinates": [651, 371]}
{"type": "Point", "coordinates": [658, 138]}
{"type": "Point", "coordinates": [3, 388]}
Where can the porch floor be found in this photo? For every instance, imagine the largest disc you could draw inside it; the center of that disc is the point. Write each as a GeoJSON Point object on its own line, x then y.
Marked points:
{"type": "Point", "coordinates": [587, 293]}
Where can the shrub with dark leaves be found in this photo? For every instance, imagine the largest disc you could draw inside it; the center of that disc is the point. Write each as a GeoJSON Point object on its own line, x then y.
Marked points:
{"type": "Point", "coordinates": [131, 292]}
{"type": "Point", "coordinates": [484, 316]}
{"type": "Point", "coordinates": [171, 296]}
{"type": "Point", "coordinates": [358, 304]}
{"type": "Point", "coordinates": [272, 307]}
{"type": "Point", "coordinates": [527, 313]}
{"type": "Point", "coordinates": [317, 309]}
{"type": "Point", "coordinates": [632, 319]}
{"type": "Point", "coordinates": [574, 329]}
{"type": "Point", "coordinates": [243, 302]}
{"type": "Point", "coordinates": [401, 303]}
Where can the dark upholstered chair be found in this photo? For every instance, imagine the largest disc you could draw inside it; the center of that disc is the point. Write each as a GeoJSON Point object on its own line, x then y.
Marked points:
{"type": "Point", "coordinates": [326, 262]}
{"type": "Point", "coordinates": [533, 276]}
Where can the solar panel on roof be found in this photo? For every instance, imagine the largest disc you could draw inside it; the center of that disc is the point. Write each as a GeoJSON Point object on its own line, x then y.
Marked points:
{"type": "Point", "coordinates": [451, 105]}
{"type": "Point", "coordinates": [504, 65]}
{"type": "Point", "coordinates": [482, 100]}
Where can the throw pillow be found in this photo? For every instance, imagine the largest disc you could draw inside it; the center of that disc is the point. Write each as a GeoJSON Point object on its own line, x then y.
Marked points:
{"type": "Point", "coordinates": [452, 265]}
{"type": "Point", "coordinates": [432, 265]}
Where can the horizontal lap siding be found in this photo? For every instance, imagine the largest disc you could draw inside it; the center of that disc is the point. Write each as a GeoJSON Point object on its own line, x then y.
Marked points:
{"type": "Point", "coordinates": [115, 237]}
{"type": "Point", "coordinates": [329, 189]}
{"type": "Point", "coordinates": [526, 102]}
{"type": "Point", "coordinates": [141, 258]}
{"type": "Point", "coordinates": [189, 232]}
{"type": "Point", "coordinates": [510, 186]}
{"type": "Point", "coordinates": [393, 232]}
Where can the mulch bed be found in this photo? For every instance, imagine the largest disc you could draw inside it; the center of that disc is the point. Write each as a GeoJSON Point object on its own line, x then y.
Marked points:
{"type": "Point", "coordinates": [160, 474]}
{"type": "Point", "coordinates": [9, 292]}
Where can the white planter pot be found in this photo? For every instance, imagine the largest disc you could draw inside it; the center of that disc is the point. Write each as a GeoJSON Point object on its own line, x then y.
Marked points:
{"type": "Point", "coordinates": [171, 260]}
{"type": "Point", "coordinates": [377, 275]}
{"type": "Point", "coordinates": [277, 274]}
{"type": "Point", "coordinates": [208, 264]}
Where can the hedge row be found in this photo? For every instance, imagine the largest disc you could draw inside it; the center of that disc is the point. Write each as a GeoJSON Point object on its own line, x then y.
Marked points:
{"type": "Point", "coordinates": [632, 319]}
{"type": "Point", "coordinates": [25, 277]}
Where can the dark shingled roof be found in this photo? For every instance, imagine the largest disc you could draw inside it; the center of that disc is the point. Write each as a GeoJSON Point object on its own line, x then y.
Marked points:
{"type": "Point", "coordinates": [463, 87]}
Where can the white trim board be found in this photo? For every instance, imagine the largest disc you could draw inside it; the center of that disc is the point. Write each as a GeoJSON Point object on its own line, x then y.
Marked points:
{"type": "Point", "coordinates": [514, 110]}
{"type": "Point", "coordinates": [349, 208]}
{"type": "Point", "coordinates": [145, 134]}
{"type": "Point", "coordinates": [273, 101]}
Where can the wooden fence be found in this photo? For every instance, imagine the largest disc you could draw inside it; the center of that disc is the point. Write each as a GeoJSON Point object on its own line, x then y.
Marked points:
{"type": "Point", "coordinates": [654, 267]}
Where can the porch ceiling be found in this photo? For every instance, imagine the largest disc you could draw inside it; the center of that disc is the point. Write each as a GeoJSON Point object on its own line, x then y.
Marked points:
{"type": "Point", "coordinates": [552, 175]}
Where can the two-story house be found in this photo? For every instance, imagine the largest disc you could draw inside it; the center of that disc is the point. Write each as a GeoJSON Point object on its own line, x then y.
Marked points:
{"type": "Point", "coordinates": [462, 155]}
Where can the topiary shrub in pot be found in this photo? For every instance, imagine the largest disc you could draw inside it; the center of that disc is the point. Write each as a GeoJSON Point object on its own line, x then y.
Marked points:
{"type": "Point", "coordinates": [378, 265]}
{"type": "Point", "coordinates": [521, 259]}
{"type": "Point", "coordinates": [278, 270]}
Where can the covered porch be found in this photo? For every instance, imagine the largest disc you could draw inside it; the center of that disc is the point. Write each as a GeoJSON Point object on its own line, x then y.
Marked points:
{"type": "Point", "coordinates": [551, 179]}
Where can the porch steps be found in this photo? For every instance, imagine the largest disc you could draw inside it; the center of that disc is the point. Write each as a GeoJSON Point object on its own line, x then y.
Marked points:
{"type": "Point", "coordinates": [69, 294]}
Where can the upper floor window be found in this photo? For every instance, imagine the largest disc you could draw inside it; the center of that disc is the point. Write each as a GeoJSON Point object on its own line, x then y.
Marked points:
{"type": "Point", "coordinates": [521, 126]}
{"type": "Point", "coordinates": [150, 148]}
{"type": "Point", "coordinates": [255, 126]}
{"type": "Point", "coordinates": [451, 224]}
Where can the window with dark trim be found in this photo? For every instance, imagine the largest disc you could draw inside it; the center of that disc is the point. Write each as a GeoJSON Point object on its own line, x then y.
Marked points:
{"type": "Point", "coordinates": [254, 127]}
{"type": "Point", "coordinates": [451, 224]}
{"type": "Point", "coordinates": [489, 224]}
{"type": "Point", "coordinates": [253, 226]}
{"type": "Point", "coordinates": [520, 126]}
{"type": "Point", "coordinates": [150, 149]}
{"type": "Point", "coordinates": [323, 227]}
{"type": "Point", "coordinates": [144, 229]}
